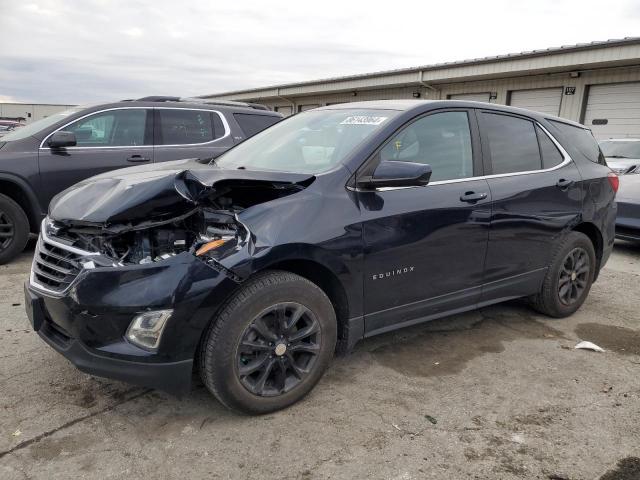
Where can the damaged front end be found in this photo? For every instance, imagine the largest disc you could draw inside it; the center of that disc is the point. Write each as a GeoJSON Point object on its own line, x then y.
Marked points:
{"type": "Point", "coordinates": [139, 219]}
{"type": "Point", "coordinates": [130, 269]}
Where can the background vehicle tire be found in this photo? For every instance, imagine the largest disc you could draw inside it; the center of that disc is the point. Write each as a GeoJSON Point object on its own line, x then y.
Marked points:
{"type": "Point", "coordinates": [14, 229]}
{"type": "Point", "coordinates": [569, 277]}
{"type": "Point", "coordinates": [270, 343]}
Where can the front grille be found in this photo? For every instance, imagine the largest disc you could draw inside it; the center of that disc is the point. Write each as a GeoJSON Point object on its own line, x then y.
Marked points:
{"type": "Point", "coordinates": [55, 266]}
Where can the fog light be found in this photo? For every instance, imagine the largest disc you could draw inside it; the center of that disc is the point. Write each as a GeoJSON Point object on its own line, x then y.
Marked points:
{"type": "Point", "coordinates": [146, 328]}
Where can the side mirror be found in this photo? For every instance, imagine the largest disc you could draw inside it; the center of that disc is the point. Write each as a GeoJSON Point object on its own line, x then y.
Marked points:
{"type": "Point", "coordinates": [62, 139]}
{"type": "Point", "coordinates": [397, 174]}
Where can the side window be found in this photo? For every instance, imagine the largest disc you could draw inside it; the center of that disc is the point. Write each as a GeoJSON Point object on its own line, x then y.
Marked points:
{"type": "Point", "coordinates": [113, 128]}
{"type": "Point", "coordinates": [551, 156]}
{"type": "Point", "coordinates": [442, 140]}
{"type": "Point", "coordinates": [513, 143]}
{"type": "Point", "coordinates": [582, 139]}
{"type": "Point", "coordinates": [252, 124]}
{"type": "Point", "coordinates": [187, 127]}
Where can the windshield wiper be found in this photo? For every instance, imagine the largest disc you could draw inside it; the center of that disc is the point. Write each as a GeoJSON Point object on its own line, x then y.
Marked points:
{"type": "Point", "coordinates": [617, 156]}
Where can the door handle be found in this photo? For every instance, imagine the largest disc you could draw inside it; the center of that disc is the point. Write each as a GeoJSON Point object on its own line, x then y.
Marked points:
{"type": "Point", "coordinates": [138, 159]}
{"type": "Point", "coordinates": [563, 183]}
{"type": "Point", "coordinates": [472, 197]}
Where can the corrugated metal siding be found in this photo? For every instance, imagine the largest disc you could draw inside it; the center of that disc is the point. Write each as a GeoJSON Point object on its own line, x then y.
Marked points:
{"type": "Point", "coordinates": [545, 100]}
{"type": "Point", "coordinates": [30, 111]}
{"type": "Point", "coordinates": [617, 104]}
{"type": "Point", "coordinates": [571, 106]}
{"type": "Point", "coordinates": [471, 97]}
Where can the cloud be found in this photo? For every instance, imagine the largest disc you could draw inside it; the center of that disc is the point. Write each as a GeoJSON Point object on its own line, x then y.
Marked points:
{"type": "Point", "coordinates": [98, 50]}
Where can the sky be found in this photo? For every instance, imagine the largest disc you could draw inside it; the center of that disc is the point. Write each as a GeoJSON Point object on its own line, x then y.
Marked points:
{"type": "Point", "coordinates": [87, 51]}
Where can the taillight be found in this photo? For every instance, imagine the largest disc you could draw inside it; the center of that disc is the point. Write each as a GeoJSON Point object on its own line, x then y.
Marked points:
{"type": "Point", "coordinates": [614, 181]}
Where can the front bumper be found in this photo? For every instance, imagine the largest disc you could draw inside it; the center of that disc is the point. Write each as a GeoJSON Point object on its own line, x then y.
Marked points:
{"type": "Point", "coordinates": [87, 324]}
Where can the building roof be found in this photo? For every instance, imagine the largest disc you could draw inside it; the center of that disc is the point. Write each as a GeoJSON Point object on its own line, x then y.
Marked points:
{"type": "Point", "coordinates": [446, 66]}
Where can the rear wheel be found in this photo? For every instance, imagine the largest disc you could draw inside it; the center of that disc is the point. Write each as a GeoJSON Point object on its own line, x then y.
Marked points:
{"type": "Point", "coordinates": [14, 229]}
{"type": "Point", "coordinates": [270, 343]}
{"type": "Point", "coordinates": [569, 277]}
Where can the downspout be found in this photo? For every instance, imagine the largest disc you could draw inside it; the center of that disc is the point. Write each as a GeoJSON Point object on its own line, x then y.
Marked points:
{"type": "Point", "coordinates": [293, 104]}
{"type": "Point", "coordinates": [422, 83]}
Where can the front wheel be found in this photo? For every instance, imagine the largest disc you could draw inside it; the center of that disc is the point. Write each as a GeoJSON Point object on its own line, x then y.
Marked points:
{"type": "Point", "coordinates": [270, 343]}
{"type": "Point", "coordinates": [569, 277]}
{"type": "Point", "coordinates": [14, 229]}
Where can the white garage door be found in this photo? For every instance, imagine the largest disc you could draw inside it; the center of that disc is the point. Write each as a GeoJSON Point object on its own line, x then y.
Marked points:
{"type": "Point", "coordinates": [471, 97]}
{"type": "Point", "coordinates": [613, 110]}
{"type": "Point", "coordinates": [304, 108]}
{"type": "Point", "coordinates": [285, 110]}
{"type": "Point", "coordinates": [543, 100]}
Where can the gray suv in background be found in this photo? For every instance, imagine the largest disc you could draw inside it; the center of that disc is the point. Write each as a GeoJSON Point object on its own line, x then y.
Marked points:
{"type": "Point", "coordinates": [41, 159]}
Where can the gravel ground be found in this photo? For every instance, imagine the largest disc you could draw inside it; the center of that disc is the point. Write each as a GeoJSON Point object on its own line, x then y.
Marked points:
{"type": "Point", "coordinates": [494, 394]}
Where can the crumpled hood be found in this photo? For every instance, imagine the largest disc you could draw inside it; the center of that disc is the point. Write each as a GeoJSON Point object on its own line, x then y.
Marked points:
{"type": "Point", "coordinates": [156, 192]}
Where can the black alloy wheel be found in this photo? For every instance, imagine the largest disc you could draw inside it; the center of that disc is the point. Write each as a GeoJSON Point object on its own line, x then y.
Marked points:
{"type": "Point", "coordinates": [278, 349]}
{"type": "Point", "coordinates": [574, 276]}
{"type": "Point", "coordinates": [7, 230]}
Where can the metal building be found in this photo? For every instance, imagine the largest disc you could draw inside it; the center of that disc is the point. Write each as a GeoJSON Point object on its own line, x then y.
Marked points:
{"type": "Point", "coordinates": [595, 83]}
{"type": "Point", "coordinates": [29, 112]}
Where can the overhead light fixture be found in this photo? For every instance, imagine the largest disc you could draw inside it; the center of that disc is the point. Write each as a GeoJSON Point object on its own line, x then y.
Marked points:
{"type": "Point", "coordinates": [416, 94]}
{"type": "Point", "coordinates": [574, 74]}
{"type": "Point", "coordinates": [354, 93]}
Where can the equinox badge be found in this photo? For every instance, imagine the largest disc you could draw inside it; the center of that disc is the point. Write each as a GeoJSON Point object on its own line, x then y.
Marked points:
{"type": "Point", "coordinates": [392, 273]}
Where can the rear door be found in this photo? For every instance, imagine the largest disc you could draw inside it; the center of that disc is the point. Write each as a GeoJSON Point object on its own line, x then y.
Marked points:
{"type": "Point", "coordinates": [536, 194]}
{"type": "Point", "coordinates": [106, 140]}
{"type": "Point", "coordinates": [190, 133]}
{"type": "Point", "coordinates": [425, 246]}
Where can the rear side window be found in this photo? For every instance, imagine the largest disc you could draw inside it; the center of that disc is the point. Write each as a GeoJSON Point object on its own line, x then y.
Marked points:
{"type": "Point", "coordinates": [112, 128]}
{"type": "Point", "coordinates": [582, 140]}
{"type": "Point", "coordinates": [513, 143]}
{"type": "Point", "coordinates": [551, 156]}
{"type": "Point", "coordinates": [252, 124]}
{"type": "Point", "coordinates": [187, 127]}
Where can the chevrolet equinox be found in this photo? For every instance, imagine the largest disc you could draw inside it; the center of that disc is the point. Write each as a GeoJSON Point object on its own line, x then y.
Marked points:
{"type": "Point", "coordinates": [331, 226]}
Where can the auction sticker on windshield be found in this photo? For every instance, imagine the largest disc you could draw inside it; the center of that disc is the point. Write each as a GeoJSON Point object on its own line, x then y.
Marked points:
{"type": "Point", "coordinates": [363, 120]}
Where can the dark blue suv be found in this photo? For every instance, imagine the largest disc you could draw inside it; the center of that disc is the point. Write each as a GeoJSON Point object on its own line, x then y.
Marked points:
{"type": "Point", "coordinates": [331, 226]}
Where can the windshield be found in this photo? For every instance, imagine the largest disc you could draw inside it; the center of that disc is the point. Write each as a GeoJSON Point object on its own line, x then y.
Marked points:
{"type": "Point", "coordinates": [37, 126]}
{"type": "Point", "coordinates": [310, 142]}
{"type": "Point", "coordinates": [621, 149]}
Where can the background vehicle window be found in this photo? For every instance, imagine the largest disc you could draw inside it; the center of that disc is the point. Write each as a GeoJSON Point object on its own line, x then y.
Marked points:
{"type": "Point", "coordinates": [582, 140]}
{"type": "Point", "coordinates": [114, 128]}
{"type": "Point", "coordinates": [621, 149]}
{"type": "Point", "coordinates": [551, 156]}
{"type": "Point", "coordinates": [252, 124]}
{"type": "Point", "coordinates": [513, 143]}
{"type": "Point", "coordinates": [442, 140]}
{"type": "Point", "coordinates": [185, 127]}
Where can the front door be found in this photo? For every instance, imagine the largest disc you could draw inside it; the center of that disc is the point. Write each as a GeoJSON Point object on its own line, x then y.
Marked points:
{"type": "Point", "coordinates": [106, 140]}
{"type": "Point", "coordinates": [425, 246]}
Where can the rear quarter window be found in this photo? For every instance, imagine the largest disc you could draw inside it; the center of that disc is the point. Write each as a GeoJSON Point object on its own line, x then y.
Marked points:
{"type": "Point", "coordinates": [580, 140]}
{"type": "Point", "coordinates": [252, 124]}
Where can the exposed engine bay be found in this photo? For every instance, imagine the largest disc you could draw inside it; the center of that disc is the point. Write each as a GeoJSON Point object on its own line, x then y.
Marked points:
{"type": "Point", "coordinates": [152, 219]}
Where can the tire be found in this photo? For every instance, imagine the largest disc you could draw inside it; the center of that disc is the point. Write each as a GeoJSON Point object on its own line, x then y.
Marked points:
{"type": "Point", "coordinates": [553, 301]}
{"type": "Point", "coordinates": [13, 222]}
{"type": "Point", "coordinates": [262, 316]}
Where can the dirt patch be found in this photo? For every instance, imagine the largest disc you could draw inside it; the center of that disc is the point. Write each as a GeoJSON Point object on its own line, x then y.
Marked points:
{"type": "Point", "coordinates": [423, 352]}
{"type": "Point", "coordinates": [628, 469]}
{"type": "Point", "coordinates": [51, 448]}
{"type": "Point", "coordinates": [610, 337]}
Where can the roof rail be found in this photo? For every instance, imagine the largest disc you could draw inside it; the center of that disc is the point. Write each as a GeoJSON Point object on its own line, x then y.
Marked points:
{"type": "Point", "coordinates": [226, 103]}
